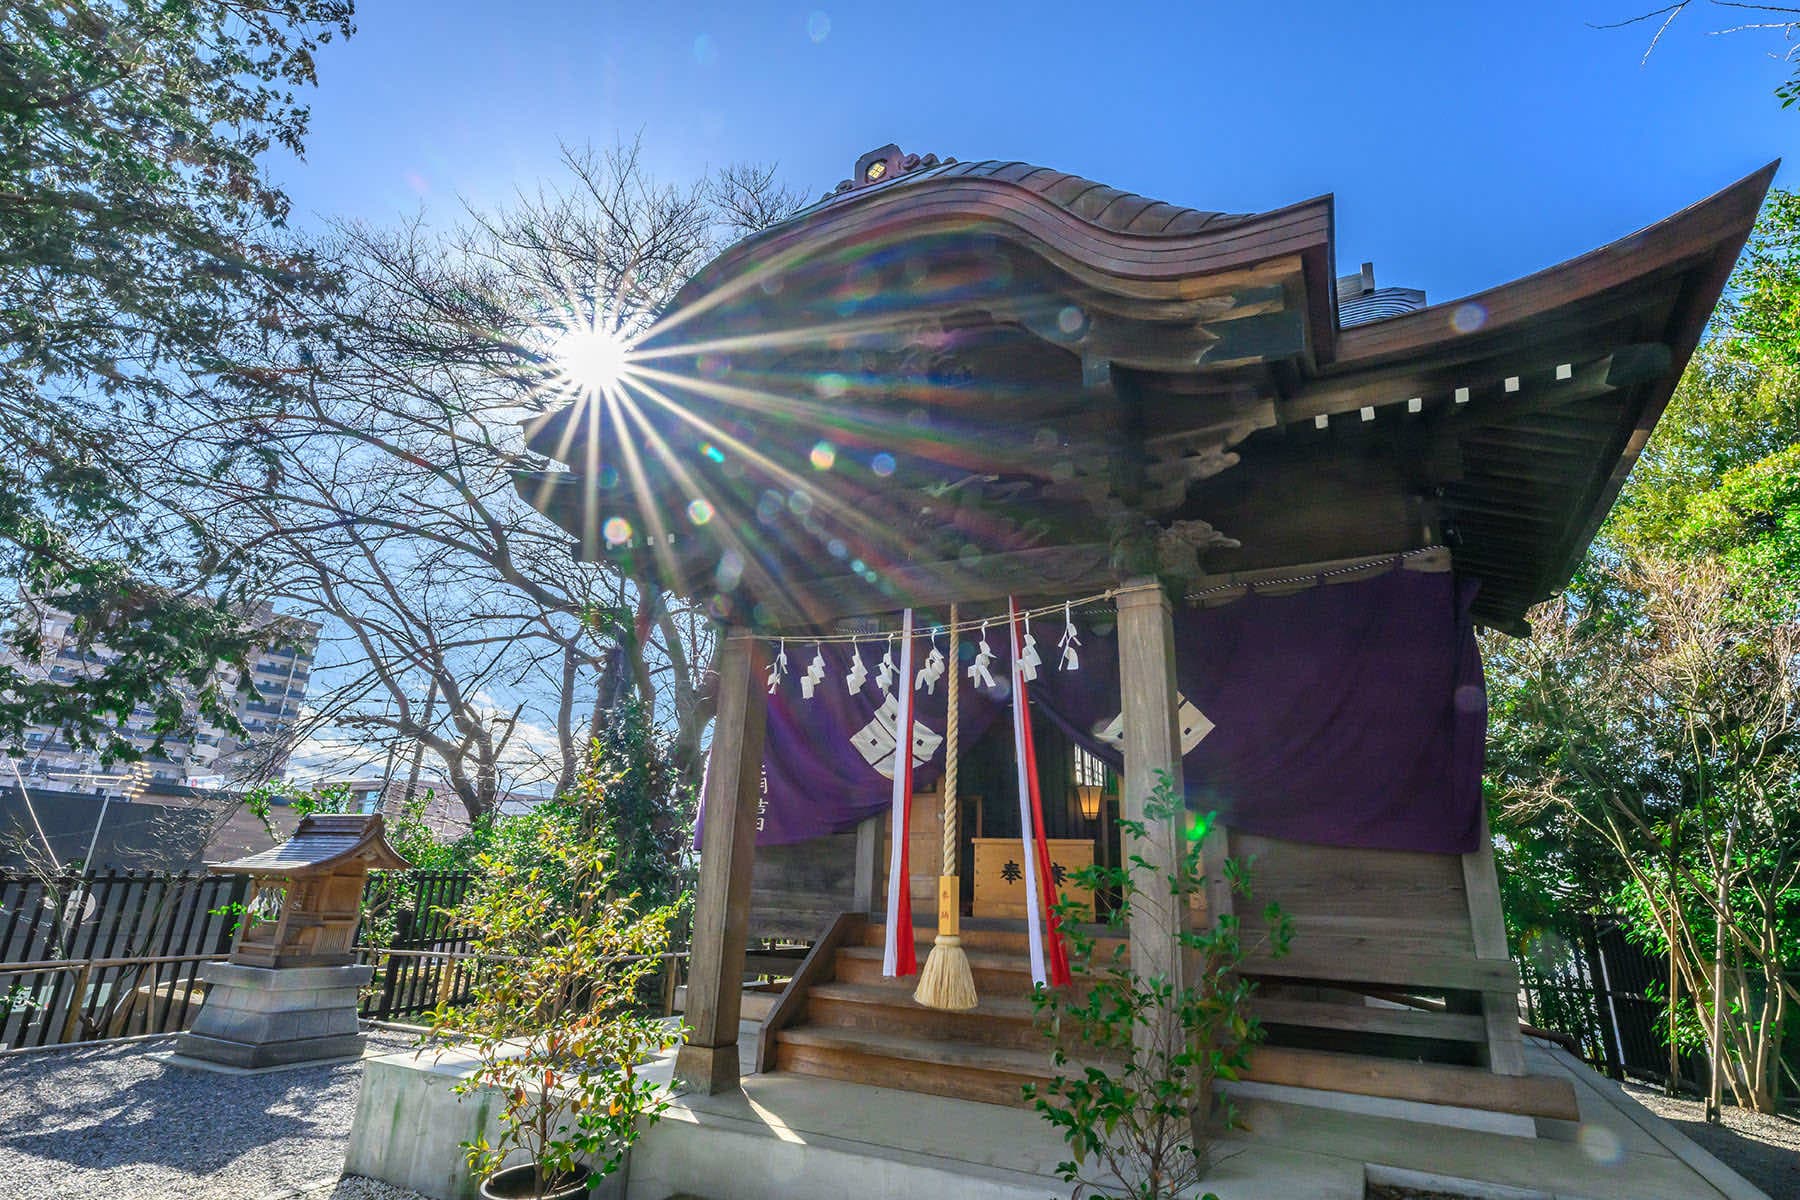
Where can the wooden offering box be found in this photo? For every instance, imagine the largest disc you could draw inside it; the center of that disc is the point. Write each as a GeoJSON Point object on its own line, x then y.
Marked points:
{"type": "Point", "coordinates": [1000, 874]}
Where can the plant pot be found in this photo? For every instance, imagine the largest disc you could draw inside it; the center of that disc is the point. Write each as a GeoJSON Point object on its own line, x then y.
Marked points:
{"type": "Point", "coordinates": [516, 1183]}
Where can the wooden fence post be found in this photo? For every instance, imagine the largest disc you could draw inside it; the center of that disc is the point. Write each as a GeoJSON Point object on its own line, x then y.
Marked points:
{"type": "Point", "coordinates": [73, 1013]}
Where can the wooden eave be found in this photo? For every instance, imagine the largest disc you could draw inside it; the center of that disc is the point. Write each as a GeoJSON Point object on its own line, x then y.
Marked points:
{"type": "Point", "coordinates": [1149, 267]}
{"type": "Point", "coordinates": [1539, 466]}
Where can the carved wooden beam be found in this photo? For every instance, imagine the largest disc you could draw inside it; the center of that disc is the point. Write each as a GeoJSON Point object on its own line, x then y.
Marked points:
{"type": "Point", "coordinates": [1469, 397]}
{"type": "Point", "coordinates": [1052, 571]}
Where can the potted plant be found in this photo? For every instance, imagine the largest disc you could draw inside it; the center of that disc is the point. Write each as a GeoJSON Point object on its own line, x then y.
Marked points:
{"type": "Point", "coordinates": [554, 1016]}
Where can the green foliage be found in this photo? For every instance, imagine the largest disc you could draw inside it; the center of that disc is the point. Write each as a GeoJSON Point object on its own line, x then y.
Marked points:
{"type": "Point", "coordinates": [1645, 751]}
{"type": "Point", "coordinates": [413, 838]}
{"type": "Point", "coordinates": [1746, 999]}
{"type": "Point", "coordinates": [564, 951]}
{"type": "Point", "coordinates": [629, 797]}
{"type": "Point", "coordinates": [648, 809]}
{"type": "Point", "coordinates": [139, 273]}
{"type": "Point", "coordinates": [1137, 1057]}
{"type": "Point", "coordinates": [1544, 730]}
{"type": "Point", "coordinates": [1721, 478]}
{"type": "Point", "coordinates": [1762, 307]}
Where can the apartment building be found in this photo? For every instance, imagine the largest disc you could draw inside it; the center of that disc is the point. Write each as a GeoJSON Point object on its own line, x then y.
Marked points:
{"type": "Point", "coordinates": [207, 756]}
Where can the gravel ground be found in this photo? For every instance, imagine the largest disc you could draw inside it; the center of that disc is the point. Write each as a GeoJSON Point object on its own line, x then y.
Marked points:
{"type": "Point", "coordinates": [1763, 1149]}
{"type": "Point", "coordinates": [355, 1187]}
{"type": "Point", "coordinates": [117, 1123]}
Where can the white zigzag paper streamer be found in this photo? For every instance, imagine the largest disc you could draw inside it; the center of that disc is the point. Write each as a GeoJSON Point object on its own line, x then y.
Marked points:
{"type": "Point", "coordinates": [1029, 660]}
{"type": "Point", "coordinates": [979, 673]}
{"type": "Point", "coordinates": [931, 672]}
{"type": "Point", "coordinates": [779, 668]}
{"type": "Point", "coordinates": [884, 673]}
{"type": "Point", "coordinates": [1070, 660]}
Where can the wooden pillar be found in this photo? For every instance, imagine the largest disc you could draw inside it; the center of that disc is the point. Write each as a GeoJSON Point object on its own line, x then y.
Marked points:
{"type": "Point", "coordinates": [1505, 1049]}
{"type": "Point", "coordinates": [866, 885]}
{"type": "Point", "coordinates": [1152, 746]}
{"type": "Point", "coordinates": [708, 1059]}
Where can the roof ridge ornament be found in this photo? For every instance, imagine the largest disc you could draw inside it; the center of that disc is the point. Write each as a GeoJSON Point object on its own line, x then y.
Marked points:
{"type": "Point", "coordinates": [884, 164]}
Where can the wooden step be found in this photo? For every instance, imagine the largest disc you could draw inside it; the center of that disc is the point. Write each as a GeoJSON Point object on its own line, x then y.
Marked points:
{"type": "Point", "coordinates": [1368, 961]}
{"type": "Point", "coordinates": [1427, 1083]}
{"type": "Point", "coordinates": [1313, 955]}
{"type": "Point", "coordinates": [1007, 1021]}
{"type": "Point", "coordinates": [990, 1074]}
{"type": "Point", "coordinates": [1371, 1019]}
{"type": "Point", "coordinates": [997, 935]}
{"type": "Point", "coordinates": [994, 1074]}
{"type": "Point", "coordinates": [996, 973]}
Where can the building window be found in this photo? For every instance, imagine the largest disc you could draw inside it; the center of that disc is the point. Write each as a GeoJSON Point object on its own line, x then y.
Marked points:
{"type": "Point", "coordinates": [1088, 770]}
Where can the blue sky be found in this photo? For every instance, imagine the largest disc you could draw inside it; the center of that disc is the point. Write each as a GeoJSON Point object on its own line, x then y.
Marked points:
{"type": "Point", "coordinates": [1466, 143]}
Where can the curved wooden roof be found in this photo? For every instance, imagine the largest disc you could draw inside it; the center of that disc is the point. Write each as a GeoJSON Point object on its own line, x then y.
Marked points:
{"type": "Point", "coordinates": [1022, 375]}
{"type": "Point", "coordinates": [1143, 255]}
{"type": "Point", "coordinates": [322, 843]}
{"type": "Point", "coordinates": [1096, 203]}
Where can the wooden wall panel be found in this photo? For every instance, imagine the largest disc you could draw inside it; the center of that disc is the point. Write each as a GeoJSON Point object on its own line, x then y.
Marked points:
{"type": "Point", "coordinates": [926, 851]}
{"type": "Point", "coordinates": [1412, 902]}
{"type": "Point", "coordinates": [796, 891]}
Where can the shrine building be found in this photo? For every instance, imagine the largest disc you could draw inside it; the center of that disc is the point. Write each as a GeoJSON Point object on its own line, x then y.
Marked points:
{"type": "Point", "coordinates": [1256, 509]}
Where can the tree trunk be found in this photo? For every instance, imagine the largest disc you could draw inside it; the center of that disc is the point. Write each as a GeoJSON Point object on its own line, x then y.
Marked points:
{"type": "Point", "coordinates": [1672, 1086]}
{"type": "Point", "coordinates": [1715, 1089]}
{"type": "Point", "coordinates": [1673, 1083]}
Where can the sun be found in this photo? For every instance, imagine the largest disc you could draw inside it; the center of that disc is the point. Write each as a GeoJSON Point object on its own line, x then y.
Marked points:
{"type": "Point", "coordinates": [591, 359]}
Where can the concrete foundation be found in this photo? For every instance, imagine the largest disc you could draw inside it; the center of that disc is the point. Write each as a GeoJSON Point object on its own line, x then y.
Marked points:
{"type": "Point", "coordinates": [257, 1017]}
{"type": "Point", "coordinates": [791, 1137]}
{"type": "Point", "coordinates": [410, 1125]}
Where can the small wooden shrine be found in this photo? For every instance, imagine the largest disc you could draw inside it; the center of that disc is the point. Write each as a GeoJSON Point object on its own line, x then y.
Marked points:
{"type": "Point", "coordinates": [306, 893]}
{"type": "Point", "coordinates": [288, 993]}
{"type": "Point", "coordinates": [1255, 492]}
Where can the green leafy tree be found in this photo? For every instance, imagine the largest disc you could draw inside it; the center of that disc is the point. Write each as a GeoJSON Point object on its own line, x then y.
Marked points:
{"type": "Point", "coordinates": [141, 270]}
{"type": "Point", "coordinates": [1721, 478]}
{"type": "Point", "coordinates": [1652, 728]}
{"type": "Point", "coordinates": [564, 950]}
{"type": "Point", "coordinates": [1138, 1057]}
{"type": "Point", "coordinates": [647, 804]}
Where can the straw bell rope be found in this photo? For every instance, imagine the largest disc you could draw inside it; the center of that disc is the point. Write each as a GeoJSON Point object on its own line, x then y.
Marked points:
{"type": "Point", "coordinates": [951, 740]}
{"type": "Point", "coordinates": [946, 982]}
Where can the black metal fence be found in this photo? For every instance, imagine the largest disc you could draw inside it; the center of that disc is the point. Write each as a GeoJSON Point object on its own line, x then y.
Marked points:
{"type": "Point", "coordinates": [420, 967]}
{"type": "Point", "coordinates": [118, 953]}
{"type": "Point", "coordinates": [1586, 979]}
{"type": "Point", "coordinates": [107, 955]}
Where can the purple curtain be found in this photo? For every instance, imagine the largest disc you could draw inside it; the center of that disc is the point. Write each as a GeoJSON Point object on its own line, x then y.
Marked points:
{"type": "Point", "coordinates": [1347, 714]}
{"type": "Point", "coordinates": [829, 760]}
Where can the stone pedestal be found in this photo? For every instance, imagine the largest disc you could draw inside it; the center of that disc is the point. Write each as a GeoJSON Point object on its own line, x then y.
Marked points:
{"type": "Point", "coordinates": [268, 1017]}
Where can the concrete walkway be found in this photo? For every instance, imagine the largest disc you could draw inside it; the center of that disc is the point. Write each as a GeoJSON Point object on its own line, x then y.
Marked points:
{"type": "Point", "coordinates": [790, 1137]}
